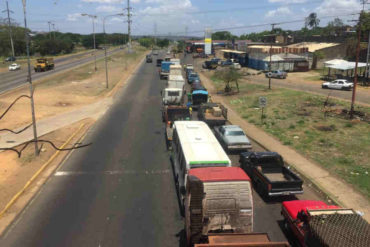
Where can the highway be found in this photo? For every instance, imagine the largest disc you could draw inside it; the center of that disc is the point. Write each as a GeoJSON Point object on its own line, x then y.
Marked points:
{"type": "Point", "coordinates": [120, 191]}
{"type": "Point", "coordinates": [13, 79]}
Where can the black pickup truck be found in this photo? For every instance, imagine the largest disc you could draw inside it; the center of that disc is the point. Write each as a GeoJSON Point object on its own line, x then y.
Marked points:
{"type": "Point", "coordinates": [269, 175]}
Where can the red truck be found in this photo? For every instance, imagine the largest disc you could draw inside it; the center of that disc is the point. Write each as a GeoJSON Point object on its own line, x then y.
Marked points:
{"type": "Point", "coordinates": [316, 224]}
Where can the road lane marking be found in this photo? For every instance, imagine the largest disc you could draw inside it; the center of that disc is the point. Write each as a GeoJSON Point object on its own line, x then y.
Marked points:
{"type": "Point", "coordinates": [117, 172]}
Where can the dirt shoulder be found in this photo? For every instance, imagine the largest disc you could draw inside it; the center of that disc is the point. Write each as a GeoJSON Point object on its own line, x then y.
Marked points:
{"type": "Point", "coordinates": [299, 141]}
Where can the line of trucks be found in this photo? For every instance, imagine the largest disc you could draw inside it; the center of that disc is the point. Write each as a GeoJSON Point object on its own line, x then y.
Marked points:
{"type": "Point", "coordinates": [217, 200]}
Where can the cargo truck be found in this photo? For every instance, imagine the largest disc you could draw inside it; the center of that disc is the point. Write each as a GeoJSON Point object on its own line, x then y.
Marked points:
{"type": "Point", "coordinates": [175, 69]}
{"type": "Point", "coordinates": [175, 81]}
{"type": "Point", "coordinates": [175, 61]}
{"type": "Point", "coordinates": [213, 114]}
{"type": "Point", "coordinates": [269, 174]}
{"type": "Point", "coordinates": [316, 224]}
{"type": "Point", "coordinates": [44, 64]}
{"type": "Point", "coordinates": [218, 201]}
{"type": "Point", "coordinates": [165, 69]}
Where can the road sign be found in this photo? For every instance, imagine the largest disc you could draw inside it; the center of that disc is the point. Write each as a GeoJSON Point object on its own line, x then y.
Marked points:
{"type": "Point", "coordinates": [262, 101]}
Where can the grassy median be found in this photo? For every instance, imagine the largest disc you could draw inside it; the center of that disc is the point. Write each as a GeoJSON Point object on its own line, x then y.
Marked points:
{"type": "Point", "coordinates": [322, 133]}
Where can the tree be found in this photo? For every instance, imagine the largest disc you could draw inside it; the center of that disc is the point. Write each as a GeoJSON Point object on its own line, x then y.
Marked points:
{"type": "Point", "coordinates": [312, 21]}
{"type": "Point", "coordinates": [222, 35]}
{"type": "Point", "coordinates": [163, 42]}
{"type": "Point", "coordinates": [228, 76]}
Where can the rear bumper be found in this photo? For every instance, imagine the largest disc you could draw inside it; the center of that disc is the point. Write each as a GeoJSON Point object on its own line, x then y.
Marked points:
{"type": "Point", "coordinates": [239, 147]}
{"type": "Point", "coordinates": [285, 193]}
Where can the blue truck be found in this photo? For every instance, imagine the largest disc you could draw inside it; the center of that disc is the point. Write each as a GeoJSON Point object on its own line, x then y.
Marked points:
{"type": "Point", "coordinates": [165, 69]}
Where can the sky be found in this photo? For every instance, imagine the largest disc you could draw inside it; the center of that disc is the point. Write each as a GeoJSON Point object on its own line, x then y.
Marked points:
{"type": "Point", "coordinates": [178, 17]}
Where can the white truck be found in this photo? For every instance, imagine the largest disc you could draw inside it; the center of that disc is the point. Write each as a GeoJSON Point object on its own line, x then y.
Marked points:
{"type": "Point", "coordinates": [175, 69]}
{"type": "Point", "coordinates": [175, 61]}
{"type": "Point", "coordinates": [175, 81]}
{"type": "Point", "coordinates": [172, 96]}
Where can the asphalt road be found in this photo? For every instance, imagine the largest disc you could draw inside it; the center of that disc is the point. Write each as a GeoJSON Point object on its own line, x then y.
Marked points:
{"type": "Point", "coordinates": [14, 79]}
{"type": "Point", "coordinates": [361, 96]}
{"type": "Point", "coordinates": [120, 191]}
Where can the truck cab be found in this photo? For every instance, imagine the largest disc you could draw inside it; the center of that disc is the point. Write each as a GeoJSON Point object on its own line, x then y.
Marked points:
{"type": "Point", "coordinates": [218, 201]}
{"type": "Point", "coordinates": [44, 64]}
{"type": "Point", "coordinates": [172, 96]}
{"type": "Point", "coordinates": [316, 224]}
{"type": "Point", "coordinates": [165, 69]}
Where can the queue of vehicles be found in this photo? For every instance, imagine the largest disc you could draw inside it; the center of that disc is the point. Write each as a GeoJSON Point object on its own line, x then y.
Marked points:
{"type": "Point", "coordinates": [216, 198]}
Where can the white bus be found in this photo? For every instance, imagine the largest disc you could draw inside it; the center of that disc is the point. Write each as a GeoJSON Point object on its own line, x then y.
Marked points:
{"type": "Point", "coordinates": [194, 146]}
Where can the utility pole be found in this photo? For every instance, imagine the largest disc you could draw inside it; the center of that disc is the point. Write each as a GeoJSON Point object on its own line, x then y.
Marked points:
{"type": "Point", "coordinates": [29, 78]}
{"type": "Point", "coordinates": [356, 65]}
{"type": "Point", "coordinates": [367, 59]}
{"type": "Point", "coordinates": [93, 17]}
{"type": "Point", "coordinates": [10, 27]}
{"type": "Point", "coordinates": [129, 25]}
{"type": "Point", "coordinates": [155, 33]}
{"type": "Point", "coordinates": [54, 30]}
{"type": "Point", "coordinates": [49, 22]}
{"type": "Point", "coordinates": [272, 29]}
{"type": "Point", "coordinates": [105, 48]}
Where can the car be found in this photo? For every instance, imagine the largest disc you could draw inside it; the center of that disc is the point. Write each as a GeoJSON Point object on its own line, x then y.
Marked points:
{"type": "Point", "coordinates": [236, 66]}
{"type": "Point", "coordinates": [159, 62]}
{"type": "Point", "coordinates": [276, 74]}
{"type": "Point", "coordinates": [188, 66]}
{"type": "Point", "coordinates": [155, 52]}
{"type": "Point", "coordinates": [209, 65]}
{"type": "Point", "coordinates": [192, 77]}
{"type": "Point", "coordinates": [149, 59]}
{"type": "Point", "coordinates": [340, 84]}
{"type": "Point", "coordinates": [226, 63]}
{"type": "Point", "coordinates": [10, 59]}
{"type": "Point", "coordinates": [14, 66]}
{"type": "Point", "coordinates": [232, 138]}
{"type": "Point", "coordinates": [216, 60]}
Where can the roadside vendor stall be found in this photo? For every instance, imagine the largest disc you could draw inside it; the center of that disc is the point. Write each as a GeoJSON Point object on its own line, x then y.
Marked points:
{"type": "Point", "coordinates": [342, 69]}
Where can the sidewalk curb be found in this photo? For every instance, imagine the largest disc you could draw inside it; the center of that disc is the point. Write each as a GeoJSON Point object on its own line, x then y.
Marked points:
{"type": "Point", "coordinates": [35, 176]}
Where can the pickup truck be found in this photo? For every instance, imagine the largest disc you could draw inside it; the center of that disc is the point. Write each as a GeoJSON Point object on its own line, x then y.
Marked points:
{"type": "Point", "coordinates": [213, 114]}
{"type": "Point", "coordinates": [197, 98]}
{"type": "Point", "coordinates": [149, 58]}
{"type": "Point", "coordinates": [316, 224]}
{"type": "Point", "coordinates": [276, 74]}
{"type": "Point", "coordinates": [210, 64]}
{"type": "Point", "coordinates": [270, 176]}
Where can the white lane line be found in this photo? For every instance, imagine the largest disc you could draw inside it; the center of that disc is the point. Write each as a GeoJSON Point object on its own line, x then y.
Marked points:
{"type": "Point", "coordinates": [118, 172]}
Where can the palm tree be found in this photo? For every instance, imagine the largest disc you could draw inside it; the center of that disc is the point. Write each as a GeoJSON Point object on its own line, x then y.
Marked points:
{"type": "Point", "coordinates": [312, 20]}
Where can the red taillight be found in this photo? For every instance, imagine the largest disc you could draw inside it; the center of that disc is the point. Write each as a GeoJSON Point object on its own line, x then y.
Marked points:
{"type": "Point", "coordinates": [269, 187]}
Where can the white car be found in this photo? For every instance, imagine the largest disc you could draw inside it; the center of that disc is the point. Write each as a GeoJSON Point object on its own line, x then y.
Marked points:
{"type": "Point", "coordinates": [232, 138]}
{"type": "Point", "coordinates": [340, 84]}
{"type": "Point", "coordinates": [14, 66]}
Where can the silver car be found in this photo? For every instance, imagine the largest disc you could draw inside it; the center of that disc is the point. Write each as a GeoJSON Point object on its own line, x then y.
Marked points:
{"type": "Point", "coordinates": [232, 138]}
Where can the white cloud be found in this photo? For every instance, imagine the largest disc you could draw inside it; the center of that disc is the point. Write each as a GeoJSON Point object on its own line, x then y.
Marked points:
{"type": "Point", "coordinates": [73, 17]}
{"type": "Point", "coordinates": [287, 1]}
{"type": "Point", "coordinates": [107, 8]}
{"type": "Point", "coordinates": [278, 11]}
{"type": "Point", "coordinates": [338, 7]}
{"type": "Point", "coordinates": [102, 1]}
{"type": "Point", "coordinates": [135, 1]}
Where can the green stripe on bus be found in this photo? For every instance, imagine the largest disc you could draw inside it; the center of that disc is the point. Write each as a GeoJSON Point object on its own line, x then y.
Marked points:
{"type": "Point", "coordinates": [209, 162]}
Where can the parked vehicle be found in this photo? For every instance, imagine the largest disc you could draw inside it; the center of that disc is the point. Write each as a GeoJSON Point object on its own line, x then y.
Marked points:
{"type": "Point", "coordinates": [316, 224]}
{"type": "Point", "coordinates": [175, 61]}
{"type": "Point", "coordinates": [216, 60]}
{"type": "Point", "coordinates": [192, 77]}
{"type": "Point", "coordinates": [44, 64]}
{"type": "Point", "coordinates": [14, 66]}
{"type": "Point", "coordinates": [270, 176]}
{"type": "Point", "coordinates": [236, 66]}
{"type": "Point", "coordinates": [170, 114]}
{"type": "Point", "coordinates": [159, 62]}
{"type": "Point", "coordinates": [149, 59]}
{"type": "Point", "coordinates": [188, 66]}
{"type": "Point", "coordinates": [218, 201]}
{"type": "Point", "coordinates": [10, 59]}
{"type": "Point", "coordinates": [165, 69]}
{"type": "Point", "coordinates": [175, 69]}
{"type": "Point", "coordinates": [155, 52]}
{"type": "Point", "coordinates": [209, 65]}
{"type": "Point", "coordinates": [198, 97]}
{"type": "Point", "coordinates": [213, 114]}
{"type": "Point", "coordinates": [276, 74]}
{"type": "Point", "coordinates": [226, 63]}
{"type": "Point", "coordinates": [175, 81]}
{"type": "Point", "coordinates": [340, 84]}
{"type": "Point", "coordinates": [167, 58]}
{"type": "Point", "coordinates": [232, 138]}
{"type": "Point", "coordinates": [194, 146]}
{"type": "Point", "coordinates": [189, 70]}
{"type": "Point", "coordinates": [172, 96]}
{"type": "Point", "coordinates": [197, 85]}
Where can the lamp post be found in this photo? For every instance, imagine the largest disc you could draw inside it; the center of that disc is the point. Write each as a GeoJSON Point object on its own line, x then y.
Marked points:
{"type": "Point", "coordinates": [105, 47]}
{"type": "Point", "coordinates": [29, 78]}
{"type": "Point", "coordinates": [93, 17]}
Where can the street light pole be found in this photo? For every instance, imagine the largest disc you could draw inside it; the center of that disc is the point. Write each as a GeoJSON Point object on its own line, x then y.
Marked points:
{"type": "Point", "coordinates": [93, 17]}
{"type": "Point", "coordinates": [30, 80]}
